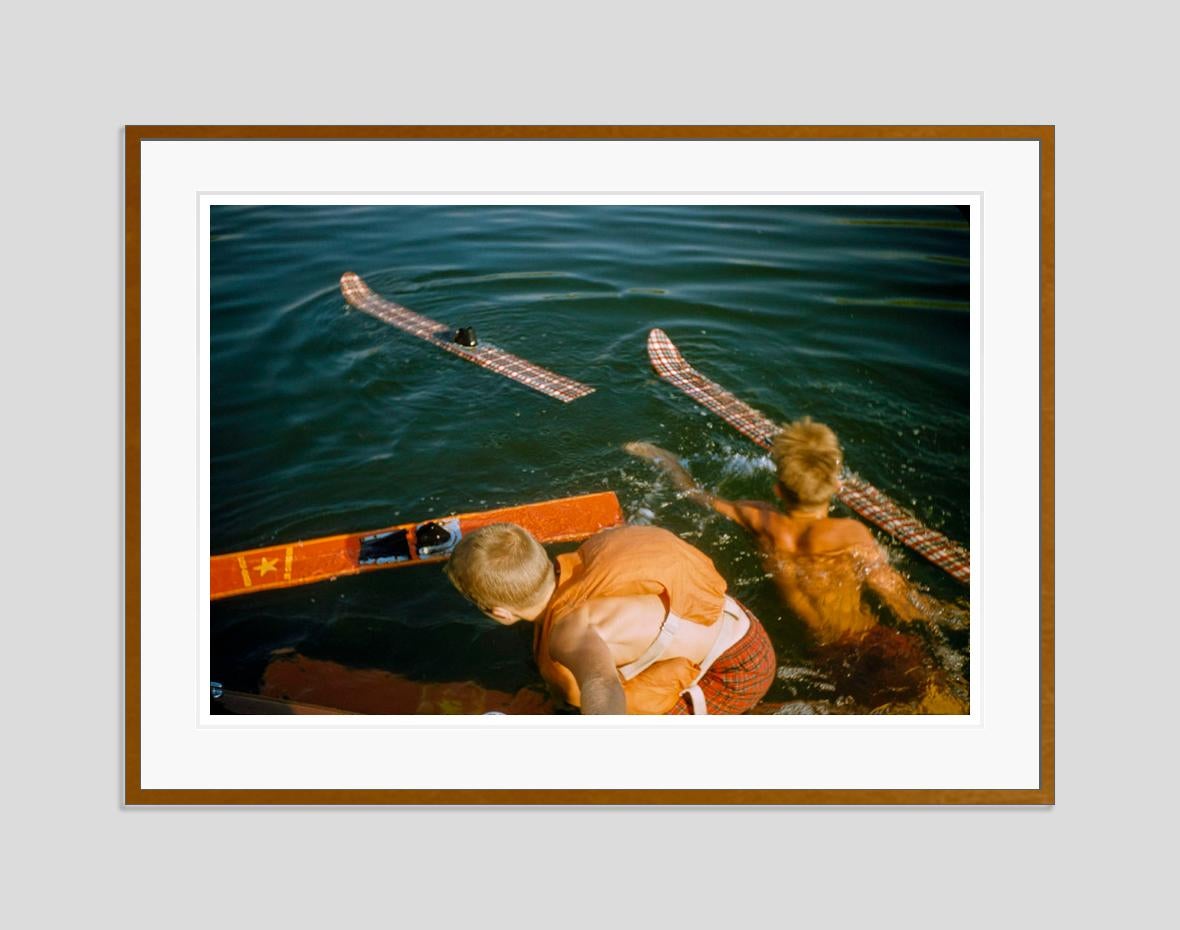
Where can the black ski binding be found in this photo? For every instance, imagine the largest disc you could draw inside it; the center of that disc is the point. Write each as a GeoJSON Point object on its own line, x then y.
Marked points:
{"type": "Point", "coordinates": [383, 548]}
{"type": "Point", "coordinates": [436, 538]}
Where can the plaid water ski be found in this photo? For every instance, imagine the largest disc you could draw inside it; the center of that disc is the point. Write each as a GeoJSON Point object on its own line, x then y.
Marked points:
{"type": "Point", "coordinates": [856, 494]}
{"type": "Point", "coordinates": [358, 294]}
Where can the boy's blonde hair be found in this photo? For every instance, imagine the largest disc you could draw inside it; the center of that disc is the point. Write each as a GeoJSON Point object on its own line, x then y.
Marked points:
{"type": "Point", "coordinates": [809, 461]}
{"type": "Point", "coordinates": [500, 565]}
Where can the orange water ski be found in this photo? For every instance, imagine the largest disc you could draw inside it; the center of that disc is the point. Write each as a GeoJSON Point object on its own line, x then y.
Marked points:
{"type": "Point", "coordinates": [285, 565]}
{"type": "Point", "coordinates": [296, 684]}
{"type": "Point", "coordinates": [243, 703]}
{"type": "Point", "coordinates": [302, 682]}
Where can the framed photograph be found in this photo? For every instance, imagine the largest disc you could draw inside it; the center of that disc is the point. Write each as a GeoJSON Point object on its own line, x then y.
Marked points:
{"type": "Point", "coordinates": [589, 465]}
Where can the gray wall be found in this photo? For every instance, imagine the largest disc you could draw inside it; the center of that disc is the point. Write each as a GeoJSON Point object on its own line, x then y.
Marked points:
{"type": "Point", "coordinates": [72, 78]}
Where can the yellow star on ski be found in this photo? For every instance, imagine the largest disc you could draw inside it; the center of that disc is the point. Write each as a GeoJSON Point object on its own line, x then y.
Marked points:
{"type": "Point", "coordinates": [266, 565]}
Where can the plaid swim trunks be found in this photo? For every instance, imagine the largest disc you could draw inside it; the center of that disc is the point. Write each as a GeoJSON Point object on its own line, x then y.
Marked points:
{"type": "Point", "coordinates": [740, 676]}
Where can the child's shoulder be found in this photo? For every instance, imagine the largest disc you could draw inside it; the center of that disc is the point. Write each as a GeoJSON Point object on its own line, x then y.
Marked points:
{"type": "Point", "coordinates": [836, 534]}
{"type": "Point", "coordinates": [758, 516]}
{"type": "Point", "coordinates": [756, 507]}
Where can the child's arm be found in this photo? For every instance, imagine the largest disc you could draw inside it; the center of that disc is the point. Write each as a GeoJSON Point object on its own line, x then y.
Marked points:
{"type": "Point", "coordinates": [900, 596]}
{"type": "Point", "coordinates": [576, 645]}
{"type": "Point", "coordinates": [749, 514]}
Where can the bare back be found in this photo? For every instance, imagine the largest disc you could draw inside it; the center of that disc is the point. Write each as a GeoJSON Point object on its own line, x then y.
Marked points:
{"type": "Point", "coordinates": [820, 566]}
{"type": "Point", "coordinates": [629, 625]}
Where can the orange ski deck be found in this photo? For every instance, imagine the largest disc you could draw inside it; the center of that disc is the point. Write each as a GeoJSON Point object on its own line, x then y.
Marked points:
{"type": "Point", "coordinates": [288, 564]}
{"type": "Point", "coordinates": [294, 684]}
{"type": "Point", "coordinates": [322, 686]}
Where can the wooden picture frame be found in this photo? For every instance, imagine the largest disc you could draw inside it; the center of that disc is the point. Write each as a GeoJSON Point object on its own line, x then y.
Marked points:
{"type": "Point", "coordinates": [146, 724]}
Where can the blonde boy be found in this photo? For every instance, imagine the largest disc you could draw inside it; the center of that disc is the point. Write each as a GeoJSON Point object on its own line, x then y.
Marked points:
{"type": "Point", "coordinates": [635, 621]}
{"type": "Point", "coordinates": [821, 564]}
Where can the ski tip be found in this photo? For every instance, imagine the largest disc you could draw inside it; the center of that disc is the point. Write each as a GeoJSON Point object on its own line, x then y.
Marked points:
{"type": "Point", "coordinates": [658, 341]}
{"type": "Point", "coordinates": [663, 354]}
{"type": "Point", "coordinates": [353, 288]}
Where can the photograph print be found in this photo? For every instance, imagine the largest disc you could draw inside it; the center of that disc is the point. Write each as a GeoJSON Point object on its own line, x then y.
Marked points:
{"type": "Point", "coordinates": [532, 459]}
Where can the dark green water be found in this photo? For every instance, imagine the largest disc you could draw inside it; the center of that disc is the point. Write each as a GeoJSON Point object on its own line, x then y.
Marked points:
{"type": "Point", "coordinates": [325, 420]}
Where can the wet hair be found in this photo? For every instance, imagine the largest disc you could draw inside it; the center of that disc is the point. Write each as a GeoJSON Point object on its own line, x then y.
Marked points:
{"type": "Point", "coordinates": [809, 461]}
{"type": "Point", "coordinates": [500, 565]}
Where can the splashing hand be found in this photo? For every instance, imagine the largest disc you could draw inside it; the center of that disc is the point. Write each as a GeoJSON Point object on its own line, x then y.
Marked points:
{"type": "Point", "coordinates": [665, 460]}
{"type": "Point", "coordinates": [645, 450]}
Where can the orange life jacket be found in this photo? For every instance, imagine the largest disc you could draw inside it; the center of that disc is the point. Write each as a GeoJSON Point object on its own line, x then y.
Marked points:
{"type": "Point", "coordinates": [629, 561]}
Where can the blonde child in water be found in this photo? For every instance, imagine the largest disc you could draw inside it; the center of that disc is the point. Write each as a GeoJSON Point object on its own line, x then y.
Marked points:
{"type": "Point", "coordinates": [823, 564]}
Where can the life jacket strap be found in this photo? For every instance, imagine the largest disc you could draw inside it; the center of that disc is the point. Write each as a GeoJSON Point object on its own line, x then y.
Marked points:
{"type": "Point", "coordinates": [653, 652]}
{"type": "Point", "coordinates": [729, 623]}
